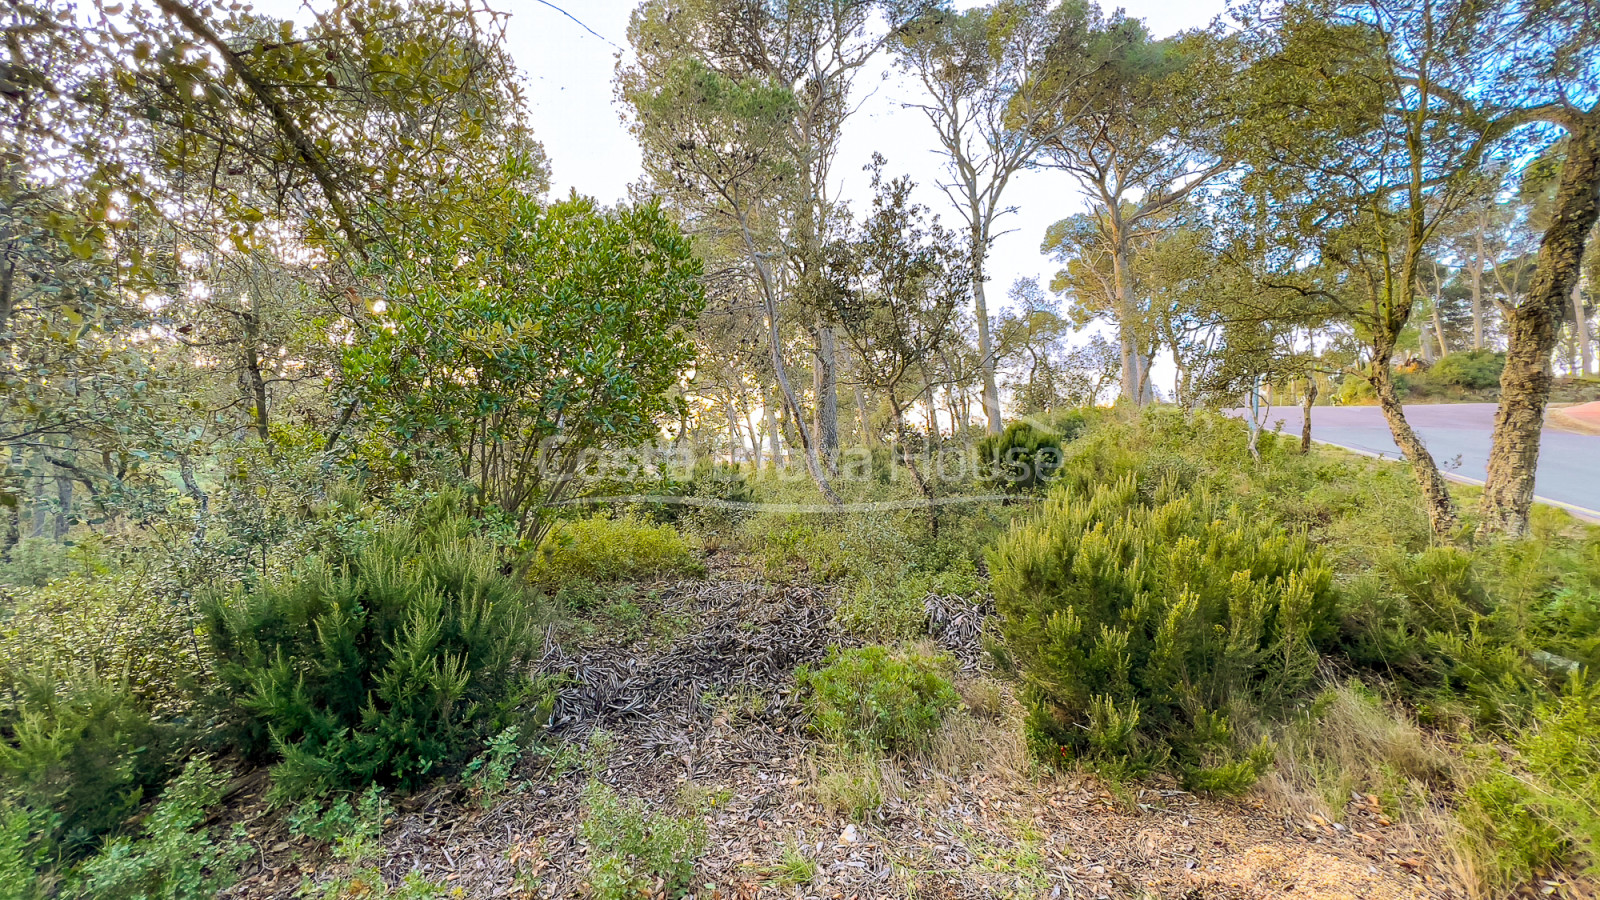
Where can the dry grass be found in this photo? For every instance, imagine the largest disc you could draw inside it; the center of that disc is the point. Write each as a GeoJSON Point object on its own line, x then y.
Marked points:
{"type": "Point", "coordinates": [986, 697]}
{"type": "Point", "coordinates": [1354, 748]}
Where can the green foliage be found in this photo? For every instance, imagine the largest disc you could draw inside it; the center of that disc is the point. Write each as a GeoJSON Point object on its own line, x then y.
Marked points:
{"type": "Point", "coordinates": [601, 548]}
{"type": "Point", "coordinates": [393, 663]}
{"type": "Point", "coordinates": [489, 774]}
{"type": "Point", "coordinates": [173, 857]}
{"type": "Point", "coordinates": [1541, 810]}
{"type": "Point", "coordinates": [123, 625]}
{"type": "Point", "coordinates": [351, 829]}
{"type": "Point", "coordinates": [570, 318]}
{"type": "Point", "coordinates": [369, 884]}
{"type": "Point", "coordinates": [1028, 454]}
{"type": "Point", "coordinates": [1472, 369]}
{"type": "Point", "coordinates": [1142, 620]}
{"type": "Point", "coordinates": [35, 562]}
{"type": "Point", "coordinates": [631, 848]}
{"type": "Point", "coordinates": [892, 609]}
{"type": "Point", "coordinates": [877, 699]}
{"type": "Point", "coordinates": [82, 752]}
{"type": "Point", "coordinates": [24, 853]}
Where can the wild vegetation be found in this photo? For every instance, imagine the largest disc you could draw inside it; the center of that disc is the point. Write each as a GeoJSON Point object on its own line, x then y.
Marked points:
{"type": "Point", "coordinates": [366, 509]}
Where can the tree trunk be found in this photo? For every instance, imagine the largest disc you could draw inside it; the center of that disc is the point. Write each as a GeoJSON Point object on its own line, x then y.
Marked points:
{"type": "Point", "coordinates": [1306, 402]}
{"type": "Point", "coordinates": [774, 451]}
{"type": "Point", "coordinates": [63, 515]}
{"type": "Point", "coordinates": [1426, 342]}
{"type": "Point", "coordinates": [1132, 374]}
{"type": "Point", "coordinates": [991, 388]}
{"type": "Point", "coordinates": [867, 437]}
{"type": "Point", "coordinates": [1438, 329]}
{"type": "Point", "coordinates": [202, 502]}
{"type": "Point", "coordinates": [909, 459]}
{"type": "Point", "coordinates": [775, 343]}
{"type": "Point", "coordinates": [1477, 284]}
{"type": "Point", "coordinates": [1585, 343]}
{"type": "Point", "coordinates": [1531, 330]}
{"type": "Point", "coordinates": [251, 324]}
{"type": "Point", "coordinates": [1435, 490]}
{"type": "Point", "coordinates": [827, 413]}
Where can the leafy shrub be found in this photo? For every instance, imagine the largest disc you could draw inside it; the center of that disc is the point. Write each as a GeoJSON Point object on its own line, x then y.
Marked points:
{"type": "Point", "coordinates": [632, 849]}
{"type": "Point", "coordinates": [600, 548]}
{"type": "Point", "coordinates": [352, 829]}
{"type": "Point", "coordinates": [1139, 622]}
{"type": "Point", "coordinates": [36, 561]}
{"type": "Point", "coordinates": [173, 857]}
{"type": "Point", "coordinates": [82, 752]}
{"type": "Point", "coordinates": [393, 663]}
{"type": "Point", "coordinates": [369, 884]}
{"type": "Point", "coordinates": [1471, 369]}
{"type": "Point", "coordinates": [24, 853]}
{"type": "Point", "coordinates": [124, 626]}
{"type": "Point", "coordinates": [873, 698]}
{"type": "Point", "coordinates": [489, 773]}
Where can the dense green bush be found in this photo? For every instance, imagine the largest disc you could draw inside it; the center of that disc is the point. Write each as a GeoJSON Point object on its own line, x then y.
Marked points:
{"type": "Point", "coordinates": [1028, 453]}
{"type": "Point", "coordinates": [600, 548]}
{"type": "Point", "coordinates": [393, 663]}
{"type": "Point", "coordinates": [1142, 620]}
{"type": "Point", "coordinates": [874, 698]}
{"type": "Point", "coordinates": [80, 754]}
{"type": "Point", "coordinates": [634, 852]}
{"type": "Point", "coordinates": [1471, 369]}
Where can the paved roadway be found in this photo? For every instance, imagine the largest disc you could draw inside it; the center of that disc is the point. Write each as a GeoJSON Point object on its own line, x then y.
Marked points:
{"type": "Point", "coordinates": [1458, 436]}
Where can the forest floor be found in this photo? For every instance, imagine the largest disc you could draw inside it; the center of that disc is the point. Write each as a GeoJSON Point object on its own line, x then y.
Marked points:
{"type": "Point", "coordinates": [696, 714]}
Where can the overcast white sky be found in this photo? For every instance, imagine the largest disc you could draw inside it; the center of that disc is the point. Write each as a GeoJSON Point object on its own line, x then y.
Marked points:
{"type": "Point", "coordinates": [568, 74]}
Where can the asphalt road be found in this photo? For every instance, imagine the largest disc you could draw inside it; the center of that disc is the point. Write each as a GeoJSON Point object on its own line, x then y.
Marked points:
{"type": "Point", "coordinates": [1458, 436]}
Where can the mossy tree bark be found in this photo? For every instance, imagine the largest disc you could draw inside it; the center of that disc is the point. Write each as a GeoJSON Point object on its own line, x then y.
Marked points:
{"type": "Point", "coordinates": [1532, 327]}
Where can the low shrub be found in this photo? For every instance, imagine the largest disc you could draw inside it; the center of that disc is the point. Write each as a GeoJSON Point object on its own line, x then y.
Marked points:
{"type": "Point", "coordinates": [24, 853]}
{"type": "Point", "coordinates": [1540, 810]}
{"type": "Point", "coordinates": [1471, 369]}
{"type": "Point", "coordinates": [125, 626]}
{"type": "Point", "coordinates": [36, 561]}
{"type": "Point", "coordinates": [392, 664]}
{"type": "Point", "coordinates": [600, 549]}
{"type": "Point", "coordinates": [173, 857]}
{"type": "Point", "coordinates": [1021, 458]}
{"type": "Point", "coordinates": [488, 776]}
{"type": "Point", "coordinates": [634, 852]}
{"type": "Point", "coordinates": [350, 828]}
{"type": "Point", "coordinates": [81, 753]}
{"type": "Point", "coordinates": [1141, 620]}
{"type": "Point", "coordinates": [877, 699]}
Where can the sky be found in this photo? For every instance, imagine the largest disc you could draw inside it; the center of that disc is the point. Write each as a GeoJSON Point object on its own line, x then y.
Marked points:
{"type": "Point", "coordinates": [568, 68]}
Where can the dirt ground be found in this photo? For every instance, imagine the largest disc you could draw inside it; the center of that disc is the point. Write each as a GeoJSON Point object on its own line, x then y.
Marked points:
{"type": "Point", "coordinates": [971, 820]}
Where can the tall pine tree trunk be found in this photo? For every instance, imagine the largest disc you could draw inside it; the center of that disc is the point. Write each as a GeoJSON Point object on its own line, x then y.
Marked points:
{"type": "Point", "coordinates": [1532, 329]}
